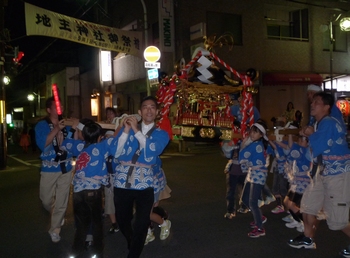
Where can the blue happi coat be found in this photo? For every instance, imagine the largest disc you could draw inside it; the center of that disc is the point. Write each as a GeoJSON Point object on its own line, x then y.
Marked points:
{"type": "Point", "coordinates": [91, 169]}
{"type": "Point", "coordinates": [143, 175]}
{"type": "Point", "coordinates": [253, 157]}
{"type": "Point", "coordinates": [330, 141]}
{"type": "Point", "coordinates": [298, 167]}
{"type": "Point", "coordinates": [48, 155]}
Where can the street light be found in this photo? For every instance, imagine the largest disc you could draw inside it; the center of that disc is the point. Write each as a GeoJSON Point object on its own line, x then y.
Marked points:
{"type": "Point", "coordinates": [345, 24]}
{"type": "Point", "coordinates": [30, 97]}
{"type": "Point", "coordinates": [6, 80]}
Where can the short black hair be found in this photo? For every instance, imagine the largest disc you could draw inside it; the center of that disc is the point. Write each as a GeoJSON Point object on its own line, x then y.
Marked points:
{"type": "Point", "coordinates": [111, 109]}
{"type": "Point", "coordinates": [327, 98]}
{"type": "Point", "coordinates": [85, 121]}
{"type": "Point", "coordinates": [154, 99]}
{"type": "Point", "coordinates": [91, 132]}
{"type": "Point", "coordinates": [49, 101]}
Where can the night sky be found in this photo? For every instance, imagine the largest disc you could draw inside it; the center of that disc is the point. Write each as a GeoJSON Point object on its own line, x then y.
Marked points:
{"type": "Point", "coordinates": [15, 22]}
{"type": "Point", "coordinates": [38, 50]}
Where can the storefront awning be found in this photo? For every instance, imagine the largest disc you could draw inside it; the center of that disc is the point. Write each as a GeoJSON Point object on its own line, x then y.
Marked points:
{"type": "Point", "coordinates": [292, 79]}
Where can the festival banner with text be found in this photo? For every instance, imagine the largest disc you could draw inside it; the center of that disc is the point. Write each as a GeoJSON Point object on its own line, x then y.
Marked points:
{"type": "Point", "coordinates": [42, 22]}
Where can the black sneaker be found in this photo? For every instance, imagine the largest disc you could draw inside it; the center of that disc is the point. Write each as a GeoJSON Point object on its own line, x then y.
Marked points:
{"type": "Point", "coordinates": [345, 252]}
{"type": "Point", "coordinates": [243, 210]}
{"type": "Point", "coordinates": [114, 228]}
{"type": "Point", "coordinates": [302, 241]}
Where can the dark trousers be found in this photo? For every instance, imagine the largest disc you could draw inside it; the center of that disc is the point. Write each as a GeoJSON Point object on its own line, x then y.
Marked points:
{"type": "Point", "coordinates": [87, 207]}
{"type": "Point", "coordinates": [266, 192]}
{"type": "Point", "coordinates": [231, 185]}
{"type": "Point", "coordinates": [280, 184]}
{"type": "Point", "coordinates": [124, 200]}
{"type": "Point", "coordinates": [251, 195]}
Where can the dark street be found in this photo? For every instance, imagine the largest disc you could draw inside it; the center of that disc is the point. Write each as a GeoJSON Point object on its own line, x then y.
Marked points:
{"type": "Point", "coordinates": [196, 211]}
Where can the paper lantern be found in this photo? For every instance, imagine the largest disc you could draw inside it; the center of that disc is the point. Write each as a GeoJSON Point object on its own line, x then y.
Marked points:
{"type": "Point", "coordinates": [343, 106]}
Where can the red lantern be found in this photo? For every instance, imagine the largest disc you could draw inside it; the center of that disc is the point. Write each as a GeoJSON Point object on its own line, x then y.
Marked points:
{"type": "Point", "coordinates": [20, 55]}
{"type": "Point", "coordinates": [343, 106]}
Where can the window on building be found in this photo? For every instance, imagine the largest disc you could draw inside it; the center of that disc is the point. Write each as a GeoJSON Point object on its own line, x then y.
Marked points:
{"type": "Point", "coordinates": [340, 40]}
{"type": "Point", "coordinates": [287, 24]}
{"type": "Point", "coordinates": [339, 84]}
{"type": "Point", "coordinates": [220, 23]}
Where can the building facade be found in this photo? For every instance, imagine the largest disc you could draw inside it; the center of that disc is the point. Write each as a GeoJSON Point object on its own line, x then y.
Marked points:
{"type": "Point", "coordinates": [290, 43]}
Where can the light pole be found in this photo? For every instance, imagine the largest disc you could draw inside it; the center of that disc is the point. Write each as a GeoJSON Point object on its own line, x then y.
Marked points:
{"type": "Point", "coordinates": [31, 98]}
{"type": "Point", "coordinates": [3, 126]}
{"type": "Point", "coordinates": [344, 25]}
{"type": "Point", "coordinates": [146, 42]}
{"type": "Point", "coordinates": [331, 38]}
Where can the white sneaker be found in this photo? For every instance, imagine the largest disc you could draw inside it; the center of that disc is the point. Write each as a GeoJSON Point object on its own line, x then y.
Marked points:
{"type": "Point", "coordinates": [288, 218]}
{"type": "Point", "coordinates": [260, 203]}
{"type": "Point", "coordinates": [269, 199]}
{"type": "Point", "coordinates": [293, 224]}
{"type": "Point", "coordinates": [165, 230]}
{"type": "Point", "coordinates": [150, 237]}
{"type": "Point", "coordinates": [55, 237]}
{"type": "Point", "coordinates": [300, 228]}
{"type": "Point", "coordinates": [278, 209]}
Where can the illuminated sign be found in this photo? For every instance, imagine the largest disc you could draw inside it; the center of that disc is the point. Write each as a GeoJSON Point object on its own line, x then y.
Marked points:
{"type": "Point", "coordinates": [152, 74]}
{"type": "Point", "coordinates": [106, 66]}
{"type": "Point", "coordinates": [57, 99]}
{"type": "Point", "coordinates": [151, 54]}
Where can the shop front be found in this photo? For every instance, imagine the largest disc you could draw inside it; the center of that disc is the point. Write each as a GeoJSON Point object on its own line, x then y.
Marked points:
{"type": "Point", "coordinates": [278, 89]}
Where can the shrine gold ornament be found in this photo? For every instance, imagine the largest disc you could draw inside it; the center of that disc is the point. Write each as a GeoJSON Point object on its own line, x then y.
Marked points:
{"type": "Point", "coordinates": [224, 40]}
{"type": "Point", "coordinates": [207, 133]}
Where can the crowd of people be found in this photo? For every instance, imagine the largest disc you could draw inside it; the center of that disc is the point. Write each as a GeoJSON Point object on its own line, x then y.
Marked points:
{"type": "Point", "coordinates": [122, 166]}
{"type": "Point", "coordinates": [311, 173]}
{"type": "Point", "coordinates": [120, 173]}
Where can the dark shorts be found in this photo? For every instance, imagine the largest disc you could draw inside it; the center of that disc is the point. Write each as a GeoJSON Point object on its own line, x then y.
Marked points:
{"type": "Point", "coordinates": [235, 169]}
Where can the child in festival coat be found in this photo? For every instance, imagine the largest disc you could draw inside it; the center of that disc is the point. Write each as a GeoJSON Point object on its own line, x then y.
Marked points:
{"type": "Point", "coordinates": [235, 178]}
{"type": "Point", "coordinates": [253, 156]}
{"type": "Point", "coordinates": [280, 182]}
{"type": "Point", "coordinates": [298, 168]}
{"type": "Point", "coordinates": [90, 175]}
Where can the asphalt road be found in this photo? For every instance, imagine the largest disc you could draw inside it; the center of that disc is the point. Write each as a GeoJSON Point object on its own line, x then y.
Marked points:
{"type": "Point", "coordinates": [196, 211]}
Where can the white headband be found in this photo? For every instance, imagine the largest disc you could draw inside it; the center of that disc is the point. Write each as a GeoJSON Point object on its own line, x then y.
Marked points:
{"type": "Point", "coordinates": [262, 129]}
{"type": "Point", "coordinates": [313, 87]}
{"type": "Point", "coordinates": [109, 132]}
{"type": "Point", "coordinates": [80, 126]}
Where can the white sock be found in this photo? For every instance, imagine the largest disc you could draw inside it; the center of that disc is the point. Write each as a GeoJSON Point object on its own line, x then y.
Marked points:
{"type": "Point", "coordinates": [164, 224]}
{"type": "Point", "coordinates": [149, 231]}
{"type": "Point", "coordinates": [89, 238]}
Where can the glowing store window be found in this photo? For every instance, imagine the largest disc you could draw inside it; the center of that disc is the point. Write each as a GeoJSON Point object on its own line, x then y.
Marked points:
{"type": "Point", "coordinates": [94, 107]}
{"type": "Point", "coordinates": [105, 65]}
